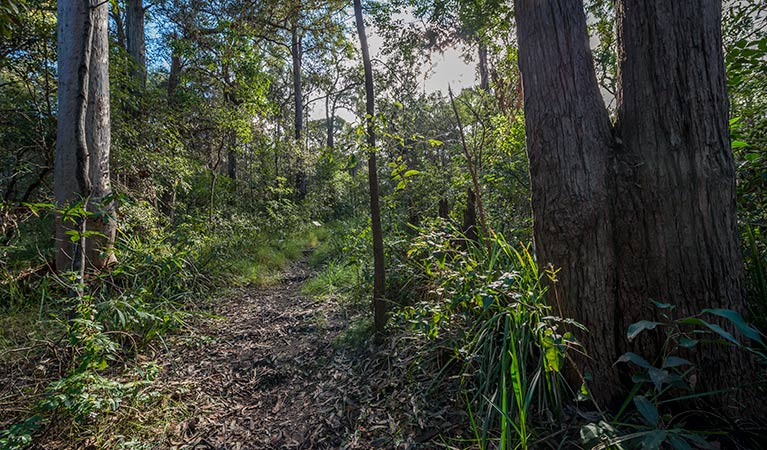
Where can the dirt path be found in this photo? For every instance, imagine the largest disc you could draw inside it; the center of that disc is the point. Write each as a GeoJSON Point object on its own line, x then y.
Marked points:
{"type": "Point", "coordinates": [257, 376]}
{"type": "Point", "coordinates": [267, 374]}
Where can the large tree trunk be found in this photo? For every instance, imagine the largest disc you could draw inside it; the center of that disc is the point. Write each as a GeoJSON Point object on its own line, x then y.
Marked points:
{"type": "Point", "coordinates": [568, 144]}
{"type": "Point", "coordinates": [649, 213]}
{"type": "Point", "coordinates": [81, 167]}
{"type": "Point", "coordinates": [379, 275]}
{"type": "Point", "coordinates": [675, 221]}
{"type": "Point", "coordinates": [134, 22]}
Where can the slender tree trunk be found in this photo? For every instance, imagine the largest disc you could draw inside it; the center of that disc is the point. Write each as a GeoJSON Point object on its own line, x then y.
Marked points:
{"type": "Point", "coordinates": [469, 227]}
{"type": "Point", "coordinates": [99, 143]}
{"type": "Point", "coordinates": [568, 142]}
{"type": "Point", "coordinates": [168, 198]}
{"type": "Point", "coordinates": [444, 209]}
{"type": "Point", "coordinates": [134, 21]}
{"type": "Point", "coordinates": [379, 279]}
{"type": "Point", "coordinates": [484, 75]}
{"type": "Point", "coordinates": [119, 27]}
{"type": "Point", "coordinates": [231, 168]}
{"type": "Point", "coordinates": [174, 74]}
{"type": "Point", "coordinates": [81, 169]}
{"type": "Point", "coordinates": [298, 100]}
{"type": "Point", "coordinates": [330, 117]}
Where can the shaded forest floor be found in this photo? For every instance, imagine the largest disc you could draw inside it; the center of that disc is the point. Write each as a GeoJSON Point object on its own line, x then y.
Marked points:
{"type": "Point", "coordinates": [270, 368]}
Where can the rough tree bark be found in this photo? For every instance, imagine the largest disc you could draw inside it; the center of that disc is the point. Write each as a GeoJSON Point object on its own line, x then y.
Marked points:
{"type": "Point", "coordinates": [136, 39]}
{"type": "Point", "coordinates": [676, 233]}
{"type": "Point", "coordinates": [81, 167]}
{"type": "Point", "coordinates": [379, 277]}
{"type": "Point", "coordinates": [644, 210]}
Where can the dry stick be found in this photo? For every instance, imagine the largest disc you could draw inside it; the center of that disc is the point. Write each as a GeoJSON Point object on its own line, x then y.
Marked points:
{"type": "Point", "coordinates": [472, 169]}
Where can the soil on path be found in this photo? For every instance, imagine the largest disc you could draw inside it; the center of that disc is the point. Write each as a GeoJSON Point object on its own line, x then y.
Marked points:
{"type": "Point", "coordinates": [266, 373]}
{"type": "Point", "coordinates": [257, 374]}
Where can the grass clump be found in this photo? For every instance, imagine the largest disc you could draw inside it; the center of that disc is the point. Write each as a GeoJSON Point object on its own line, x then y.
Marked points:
{"type": "Point", "coordinates": [485, 301]}
{"type": "Point", "coordinates": [335, 280]}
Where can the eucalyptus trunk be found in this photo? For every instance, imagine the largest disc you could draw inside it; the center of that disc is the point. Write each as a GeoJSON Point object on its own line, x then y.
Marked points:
{"type": "Point", "coordinates": [81, 167]}
{"type": "Point", "coordinates": [136, 38]}
{"type": "Point", "coordinates": [644, 210]}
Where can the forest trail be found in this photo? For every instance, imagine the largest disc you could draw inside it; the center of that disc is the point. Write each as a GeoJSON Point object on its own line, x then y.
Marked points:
{"type": "Point", "coordinates": [262, 373]}
{"type": "Point", "coordinates": [266, 372]}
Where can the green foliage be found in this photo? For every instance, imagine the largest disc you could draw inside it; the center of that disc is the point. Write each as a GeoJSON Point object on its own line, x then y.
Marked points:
{"type": "Point", "coordinates": [163, 275]}
{"type": "Point", "coordinates": [655, 409]}
{"type": "Point", "coordinates": [335, 281]}
{"type": "Point", "coordinates": [487, 302]}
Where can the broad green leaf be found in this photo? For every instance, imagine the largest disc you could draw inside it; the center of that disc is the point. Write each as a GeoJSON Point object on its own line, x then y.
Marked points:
{"type": "Point", "coordinates": [659, 377]}
{"type": "Point", "coordinates": [653, 439]}
{"type": "Point", "coordinates": [638, 327]}
{"type": "Point", "coordinates": [660, 305]}
{"type": "Point", "coordinates": [648, 411]}
{"type": "Point", "coordinates": [678, 442]}
{"type": "Point", "coordinates": [711, 326]}
{"type": "Point", "coordinates": [737, 320]}
{"type": "Point", "coordinates": [675, 361]}
{"type": "Point", "coordinates": [698, 440]}
{"type": "Point", "coordinates": [634, 358]}
{"type": "Point", "coordinates": [688, 342]}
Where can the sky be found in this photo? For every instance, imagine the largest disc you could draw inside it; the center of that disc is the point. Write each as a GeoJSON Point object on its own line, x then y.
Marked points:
{"type": "Point", "coordinates": [445, 69]}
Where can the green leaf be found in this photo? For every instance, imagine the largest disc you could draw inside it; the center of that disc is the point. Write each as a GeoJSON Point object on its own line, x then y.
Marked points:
{"type": "Point", "coordinates": [659, 377]}
{"type": "Point", "coordinates": [660, 305]}
{"type": "Point", "coordinates": [648, 411]}
{"type": "Point", "coordinates": [738, 144]}
{"type": "Point", "coordinates": [711, 326]}
{"type": "Point", "coordinates": [653, 439]}
{"type": "Point", "coordinates": [737, 320]}
{"type": "Point", "coordinates": [553, 355]}
{"type": "Point", "coordinates": [698, 440]}
{"type": "Point", "coordinates": [678, 442]}
{"type": "Point", "coordinates": [74, 235]}
{"type": "Point", "coordinates": [675, 361]}
{"type": "Point", "coordinates": [687, 342]}
{"type": "Point", "coordinates": [634, 358]}
{"type": "Point", "coordinates": [411, 172]}
{"type": "Point", "coordinates": [638, 327]}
